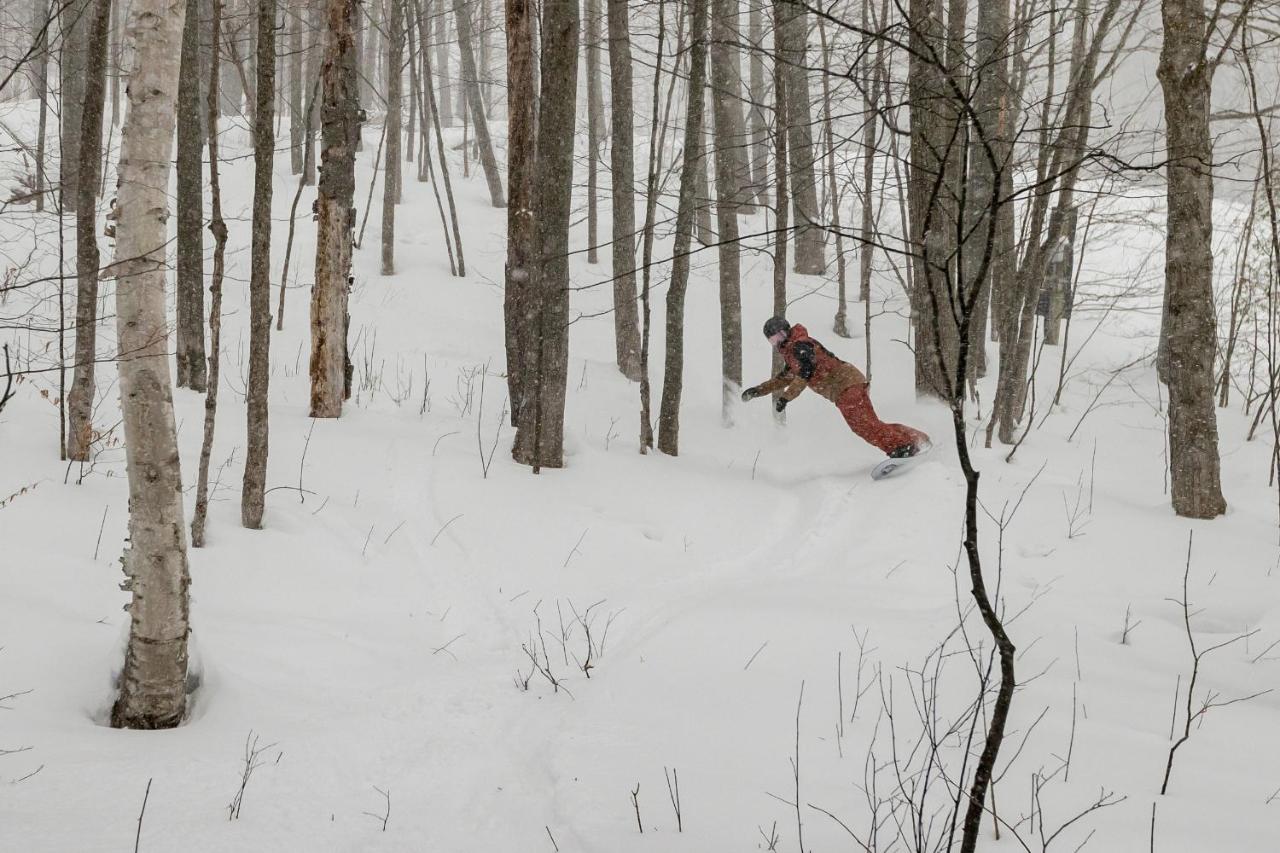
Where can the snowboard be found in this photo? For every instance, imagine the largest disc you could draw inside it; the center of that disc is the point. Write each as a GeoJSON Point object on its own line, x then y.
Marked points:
{"type": "Point", "coordinates": [891, 466]}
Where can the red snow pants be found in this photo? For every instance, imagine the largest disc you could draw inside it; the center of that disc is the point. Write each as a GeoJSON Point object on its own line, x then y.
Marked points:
{"type": "Point", "coordinates": [855, 405]}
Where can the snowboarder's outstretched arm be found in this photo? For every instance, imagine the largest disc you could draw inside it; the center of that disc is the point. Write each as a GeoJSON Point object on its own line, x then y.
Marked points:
{"type": "Point", "coordinates": [786, 384]}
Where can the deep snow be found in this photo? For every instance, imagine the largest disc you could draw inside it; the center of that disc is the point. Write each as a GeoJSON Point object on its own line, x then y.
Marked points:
{"type": "Point", "coordinates": [373, 631]}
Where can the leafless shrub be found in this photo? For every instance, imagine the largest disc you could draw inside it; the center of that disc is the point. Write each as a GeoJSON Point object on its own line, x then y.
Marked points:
{"type": "Point", "coordinates": [582, 640]}
{"type": "Point", "coordinates": [1211, 699]}
{"type": "Point", "coordinates": [464, 386]}
{"type": "Point", "coordinates": [487, 460]}
{"type": "Point", "coordinates": [1078, 512]}
{"type": "Point", "coordinates": [635, 802]}
{"type": "Point", "coordinates": [254, 757]}
{"type": "Point", "coordinates": [673, 793]}
{"type": "Point", "coordinates": [1129, 625]}
{"type": "Point", "coordinates": [386, 813]}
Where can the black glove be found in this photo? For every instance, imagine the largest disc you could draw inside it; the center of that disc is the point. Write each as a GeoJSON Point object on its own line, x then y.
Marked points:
{"type": "Point", "coordinates": [780, 404]}
{"type": "Point", "coordinates": [750, 394]}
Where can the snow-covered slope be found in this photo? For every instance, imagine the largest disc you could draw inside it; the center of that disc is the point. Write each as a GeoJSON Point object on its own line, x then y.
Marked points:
{"type": "Point", "coordinates": [756, 596]}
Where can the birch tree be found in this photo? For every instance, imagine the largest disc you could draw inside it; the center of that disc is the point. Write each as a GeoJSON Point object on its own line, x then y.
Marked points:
{"type": "Point", "coordinates": [152, 684]}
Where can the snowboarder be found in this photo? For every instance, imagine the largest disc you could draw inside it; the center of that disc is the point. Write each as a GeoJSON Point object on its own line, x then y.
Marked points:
{"type": "Point", "coordinates": [808, 364]}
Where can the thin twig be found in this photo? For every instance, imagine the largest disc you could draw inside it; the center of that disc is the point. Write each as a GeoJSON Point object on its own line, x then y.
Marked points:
{"type": "Point", "coordinates": [137, 839]}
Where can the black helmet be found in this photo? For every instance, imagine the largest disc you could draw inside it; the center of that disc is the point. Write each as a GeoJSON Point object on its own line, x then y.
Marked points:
{"type": "Point", "coordinates": [774, 325]}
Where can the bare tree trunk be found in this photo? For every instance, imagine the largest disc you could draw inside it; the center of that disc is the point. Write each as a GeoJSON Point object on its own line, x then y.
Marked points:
{"type": "Point", "coordinates": [540, 433]}
{"type": "Point", "coordinates": [622, 167]}
{"type": "Point", "coordinates": [841, 323]}
{"type": "Point", "coordinates": [218, 228]}
{"type": "Point", "coordinates": [931, 307]}
{"type": "Point", "coordinates": [759, 129]}
{"type": "Point", "coordinates": [229, 82]}
{"type": "Point", "coordinates": [339, 129]}
{"type": "Point", "coordinates": [410, 128]}
{"type": "Point", "coordinates": [117, 56]}
{"type": "Point", "coordinates": [988, 162]}
{"type": "Point", "coordinates": [444, 92]}
{"type": "Point", "coordinates": [673, 368]}
{"type": "Point", "coordinates": [732, 142]}
{"type": "Point", "coordinates": [75, 23]}
{"type": "Point", "coordinates": [486, 54]}
{"type": "Point", "coordinates": [1186, 78]}
{"type": "Point", "coordinates": [703, 231]}
{"type": "Point", "coordinates": [1059, 159]}
{"type": "Point", "coordinates": [253, 495]}
{"type": "Point", "coordinates": [870, 137]}
{"type": "Point", "coordinates": [595, 108]}
{"type": "Point", "coordinates": [314, 66]}
{"type": "Point", "coordinates": [657, 140]}
{"type": "Point", "coordinates": [471, 86]}
{"type": "Point", "coordinates": [80, 399]}
{"type": "Point", "coordinates": [433, 107]}
{"type": "Point", "coordinates": [361, 47]}
{"type": "Point", "coordinates": [40, 23]}
{"type": "Point", "coordinates": [392, 160]}
{"type": "Point", "coordinates": [810, 257]}
{"type": "Point", "coordinates": [733, 178]}
{"type": "Point", "coordinates": [373, 47]}
{"type": "Point", "coordinates": [518, 300]}
{"type": "Point", "coordinates": [152, 684]}
{"type": "Point", "coordinates": [190, 209]}
{"type": "Point", "coordinates": [782, 198]}
{"type": "Point", "coordinates": [297, 117]}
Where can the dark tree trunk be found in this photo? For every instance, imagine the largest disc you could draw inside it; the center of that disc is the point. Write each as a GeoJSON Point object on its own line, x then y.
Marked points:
{"type": "Point", "coordinates": [444, 91]}
{"type": "Point", "coordinates": [471, 87]}
{"type": "Point", "coordinates": [218, 228]}
{"type": "Point", "coordinates": [931, 302]}
{"type": "Point", "coordinates": [810, 256]}
{"type": "Point", "coordinates": [75, 24]}
{"type": "Point", "coordinates": [840, 325]}
{"type": "Point", "coordinates": [673, 368]}
{"type": "Point", "coordinates": [540, 433]}
{"type": "Point", "coordinates": [781, 92]}
{"type": "Point", "coordinates": [518, 300]}
{"type": "Point", "coordinates": [732, 143]}
{"type": "Point", "coordinates": [759, 129]}
{"type": "Point", "coordinates": [392, 159]}
{"type": "Point", "coordinates": [989, 152]}
{"type": "Point", "coordinates": [595, 108]}
{"type": "Point", "coordinates": [335, 217]}
{"type": "Point", "coordinates": [733, 177]}
{"type": "Point", "coordinates": [253, 495]}
{"type": "Point", "coordinates": [622, 165]}
{"type": "Point", "coordinates": [80, 399]}
{"type": "Point", "coordinates": [297, 117]}
{"type": "Point", "coordinates": [41, 24]}
{"type": "Point", "coordinates": [190, 210]}
{"type": "Point", "coordinates": [1186, 78]}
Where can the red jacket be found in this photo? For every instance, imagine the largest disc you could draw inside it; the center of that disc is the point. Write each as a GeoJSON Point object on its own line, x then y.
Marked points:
{"type": "Point", "coordinates": [811, 365]}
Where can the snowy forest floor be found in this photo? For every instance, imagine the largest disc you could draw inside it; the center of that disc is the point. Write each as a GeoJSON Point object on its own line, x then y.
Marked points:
{"type": "Point", "coordinates": [755, 596]}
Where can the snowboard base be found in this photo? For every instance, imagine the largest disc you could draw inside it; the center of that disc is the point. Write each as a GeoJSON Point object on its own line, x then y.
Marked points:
{"type": "Point", "coordinates": [891, 466]}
